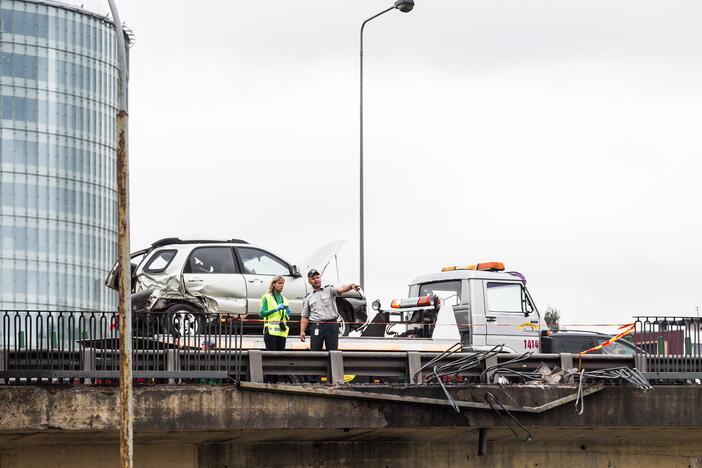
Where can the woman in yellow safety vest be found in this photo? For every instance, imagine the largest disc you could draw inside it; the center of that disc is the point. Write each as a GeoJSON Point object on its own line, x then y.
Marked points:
{"type": "Point", "coordinates": [275, 313]}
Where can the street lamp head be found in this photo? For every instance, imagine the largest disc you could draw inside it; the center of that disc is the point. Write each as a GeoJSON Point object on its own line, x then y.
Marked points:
{"type": "Point", "coordinates": [405, 6]}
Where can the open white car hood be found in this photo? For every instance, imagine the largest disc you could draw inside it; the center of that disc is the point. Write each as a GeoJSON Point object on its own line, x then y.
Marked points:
{"type": "Point", "coordinates": [321, 258]}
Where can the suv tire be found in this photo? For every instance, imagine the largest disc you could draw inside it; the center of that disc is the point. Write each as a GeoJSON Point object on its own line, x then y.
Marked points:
{"type": "Point", "coordinates": [183, 320]}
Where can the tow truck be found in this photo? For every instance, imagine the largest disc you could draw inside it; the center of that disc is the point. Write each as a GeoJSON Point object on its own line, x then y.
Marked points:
{"type": "Point", "coordinates": [478, 305]}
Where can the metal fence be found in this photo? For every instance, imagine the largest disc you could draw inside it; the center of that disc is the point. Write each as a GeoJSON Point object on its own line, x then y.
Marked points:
{"type": "Point", "coordinates": [83, 347]}
{"type": "Point", "coordinates": [43, 346]}
{"type": "Point", "coordinates": [672, 346]}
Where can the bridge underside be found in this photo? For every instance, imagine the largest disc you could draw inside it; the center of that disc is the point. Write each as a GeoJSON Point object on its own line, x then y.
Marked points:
{"type": "Point", "coordinates": [220, 425]}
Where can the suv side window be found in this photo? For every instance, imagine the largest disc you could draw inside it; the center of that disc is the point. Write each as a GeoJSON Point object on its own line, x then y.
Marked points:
{"type": "Point", "coordinates": [504, 297]}
{"type": "Point", "coordinates": [205, 260]}
{"type": "Point", "coordinates": [258, 262]}
{"type": "Point", "coordinates": [160, 261]}
{"type": "Point", "coordinates": [573, 344]}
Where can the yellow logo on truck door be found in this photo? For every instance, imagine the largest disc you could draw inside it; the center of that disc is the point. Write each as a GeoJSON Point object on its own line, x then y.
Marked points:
{"type": "Point", "coordinates": [528, 325]}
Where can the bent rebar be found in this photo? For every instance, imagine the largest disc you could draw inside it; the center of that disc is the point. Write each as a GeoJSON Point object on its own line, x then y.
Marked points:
{"type": "Point", "coordinates": [492, 400]}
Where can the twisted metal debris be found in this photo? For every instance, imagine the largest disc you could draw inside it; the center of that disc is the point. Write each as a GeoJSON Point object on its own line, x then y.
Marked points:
{"type": "Point", "coordinates": [633, 376]}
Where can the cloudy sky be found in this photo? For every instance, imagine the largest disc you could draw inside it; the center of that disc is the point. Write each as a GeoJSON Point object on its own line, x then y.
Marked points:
{"type": "Point", "coordinates": [561, 138]}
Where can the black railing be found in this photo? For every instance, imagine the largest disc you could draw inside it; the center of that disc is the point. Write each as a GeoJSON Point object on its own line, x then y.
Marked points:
{"type": "Point", "coordinates": [43, 346]}
{"type": "Point", "coordinates": [672, 346]}
{"type": "Point", "coordinates": [83, 347]}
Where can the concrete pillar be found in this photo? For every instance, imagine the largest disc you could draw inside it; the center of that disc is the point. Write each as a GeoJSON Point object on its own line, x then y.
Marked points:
{"type": "Point", "coordinates": [566, 361]}
{"type": "Point", "coordinates": [489, 362]}
{"type": "Point", "coordinates": [414, 363]}
{"type": "Point", "coordinates": [88, 360]}
{"type": "Point", "coordinates": [172, 362]}
{"type": "Point", "coordinates": [336, 367]}
{"type": "Point", "coordinates": [255, 365]}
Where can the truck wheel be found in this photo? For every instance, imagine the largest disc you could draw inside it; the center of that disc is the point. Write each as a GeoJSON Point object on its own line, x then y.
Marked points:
{"type": "Point", "coordinates": [183, 320]}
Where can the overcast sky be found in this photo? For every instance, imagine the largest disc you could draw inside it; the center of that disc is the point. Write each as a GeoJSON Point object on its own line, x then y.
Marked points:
{"type": "Point", "coordinates": [562, 138]}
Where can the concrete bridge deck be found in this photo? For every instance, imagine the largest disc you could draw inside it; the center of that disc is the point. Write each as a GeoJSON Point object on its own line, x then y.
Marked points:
{"type": "Point", "coordinates": [224, 426]}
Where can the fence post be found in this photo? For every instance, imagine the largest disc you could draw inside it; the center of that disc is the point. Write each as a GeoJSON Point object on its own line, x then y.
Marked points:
{"type": "Point", "coordinates": [88, 363]}
{"type": "Point", "coordinates": [414, 363]}
{"type": "Point", "coordinates": [336, 363]}
{"type": "Point", "coordinates": [489, 362]}
{"type": "Point", "coordinates": [172, 362]}
{"type": "Point", "coordinates": [255, 365]}
{"type": "Point", "coordinates": [3, 364]}
{"type": "Point", "coordinates": [640, 363]}
{"type": "Point", "coordinates": [566, 361]}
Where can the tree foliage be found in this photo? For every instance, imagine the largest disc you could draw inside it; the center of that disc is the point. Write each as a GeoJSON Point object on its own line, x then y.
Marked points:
{"type": "Point", "coordinates": [552, 316]}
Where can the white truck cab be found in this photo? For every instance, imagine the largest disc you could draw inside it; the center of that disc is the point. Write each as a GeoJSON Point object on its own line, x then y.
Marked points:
{"type": "Point", "coordinates": [480, 305]}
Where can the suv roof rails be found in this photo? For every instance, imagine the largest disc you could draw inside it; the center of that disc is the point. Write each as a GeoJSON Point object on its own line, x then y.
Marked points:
{"type": "Point", "coordinates": [177, 240]}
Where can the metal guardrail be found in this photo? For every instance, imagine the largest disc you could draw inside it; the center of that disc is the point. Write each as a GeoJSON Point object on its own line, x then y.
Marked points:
{"type": "Point", "coordinates": [68, 347]}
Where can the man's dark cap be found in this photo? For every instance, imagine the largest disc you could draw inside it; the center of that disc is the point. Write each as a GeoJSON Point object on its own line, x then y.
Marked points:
{"type": "Point", "coordinates": [312, 273]}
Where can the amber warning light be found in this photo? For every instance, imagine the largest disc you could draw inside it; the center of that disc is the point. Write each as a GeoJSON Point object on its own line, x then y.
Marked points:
{"type": "Point", "coordinates": [420, 301]}
{"type": "Point", "coordinates": [488, 266]}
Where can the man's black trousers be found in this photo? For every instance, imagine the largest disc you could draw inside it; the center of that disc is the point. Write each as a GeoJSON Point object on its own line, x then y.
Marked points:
{"type": "Point", "coordinates": [324, 333]}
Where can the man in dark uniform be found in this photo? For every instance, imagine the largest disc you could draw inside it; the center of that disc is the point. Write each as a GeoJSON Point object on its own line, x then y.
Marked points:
{"type": "Point", "coordinates": [319, 310]}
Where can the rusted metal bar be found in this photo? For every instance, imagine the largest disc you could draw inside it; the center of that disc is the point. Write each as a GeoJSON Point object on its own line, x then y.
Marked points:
{"type": "Point", "coordinates": [126, 409]}
{"type": "Point", "coordinates": [331, 392]}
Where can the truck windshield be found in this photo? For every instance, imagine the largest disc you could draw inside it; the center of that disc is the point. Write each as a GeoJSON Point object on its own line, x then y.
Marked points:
{"type": "Point", "coordinates": [448, 291]}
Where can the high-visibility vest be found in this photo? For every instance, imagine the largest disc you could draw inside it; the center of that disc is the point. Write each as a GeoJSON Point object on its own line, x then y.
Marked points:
{"type": "Point", "coordinates": [271, 324]}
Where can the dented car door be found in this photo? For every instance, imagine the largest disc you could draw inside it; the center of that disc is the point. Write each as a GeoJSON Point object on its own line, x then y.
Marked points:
{"type": "Point", "coordinates": [259, 268]}
{"type": "Point", "coordinates": [212, 272]}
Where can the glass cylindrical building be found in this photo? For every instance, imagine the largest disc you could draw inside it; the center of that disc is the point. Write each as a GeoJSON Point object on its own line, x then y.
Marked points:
{"type": "Point", "coordinates": [58, 201]}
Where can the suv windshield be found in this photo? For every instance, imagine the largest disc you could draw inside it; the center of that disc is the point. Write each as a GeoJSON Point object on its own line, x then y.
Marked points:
{"type": "Point", "coordinates": [618, 347]}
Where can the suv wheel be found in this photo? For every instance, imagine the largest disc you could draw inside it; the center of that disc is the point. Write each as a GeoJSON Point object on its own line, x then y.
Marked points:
{"type": "Point", "coordinates": [344, 328]}
{"type": "Point", "coordinates": [183, 320]}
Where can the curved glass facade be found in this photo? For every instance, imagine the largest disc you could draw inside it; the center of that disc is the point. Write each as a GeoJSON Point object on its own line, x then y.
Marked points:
{"type": "Point", "coordinates": [58, 199]}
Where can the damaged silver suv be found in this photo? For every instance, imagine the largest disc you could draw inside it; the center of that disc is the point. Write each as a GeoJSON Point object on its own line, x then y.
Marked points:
{"type": "Point", "coordinates": [183, 285]}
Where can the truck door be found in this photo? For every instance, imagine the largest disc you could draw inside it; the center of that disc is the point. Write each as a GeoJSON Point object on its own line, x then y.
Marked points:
{"type": "Point", "coordinates": [259, 268]}
{"type": "Point", "coordinates": [510, 316]}
{"type": "Point", "coordinates": [213, 273]}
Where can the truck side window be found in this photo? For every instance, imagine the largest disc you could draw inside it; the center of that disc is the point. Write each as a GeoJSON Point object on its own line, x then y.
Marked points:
{"type": "Point", "coordinates": [448, 291]}
{"type": "Point", "coordinates": [504, 297]}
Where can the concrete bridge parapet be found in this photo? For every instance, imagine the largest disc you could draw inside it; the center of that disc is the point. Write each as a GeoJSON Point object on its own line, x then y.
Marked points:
{"type": "Point", "coordinates": [222, 425]}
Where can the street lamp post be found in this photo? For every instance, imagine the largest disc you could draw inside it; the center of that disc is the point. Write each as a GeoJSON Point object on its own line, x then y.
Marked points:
{"type": "Point", "coordinates": [404, 6]}
{"type": "Point", "coordinates": [126, 409]}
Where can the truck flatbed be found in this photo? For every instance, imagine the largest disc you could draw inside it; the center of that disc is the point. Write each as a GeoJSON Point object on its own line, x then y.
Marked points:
{"type": "Point", "coordinates": [346, 343]}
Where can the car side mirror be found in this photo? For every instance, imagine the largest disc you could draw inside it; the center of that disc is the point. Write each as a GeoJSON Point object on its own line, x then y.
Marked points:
{"type": "Point", "coordinates": [295, 271]}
